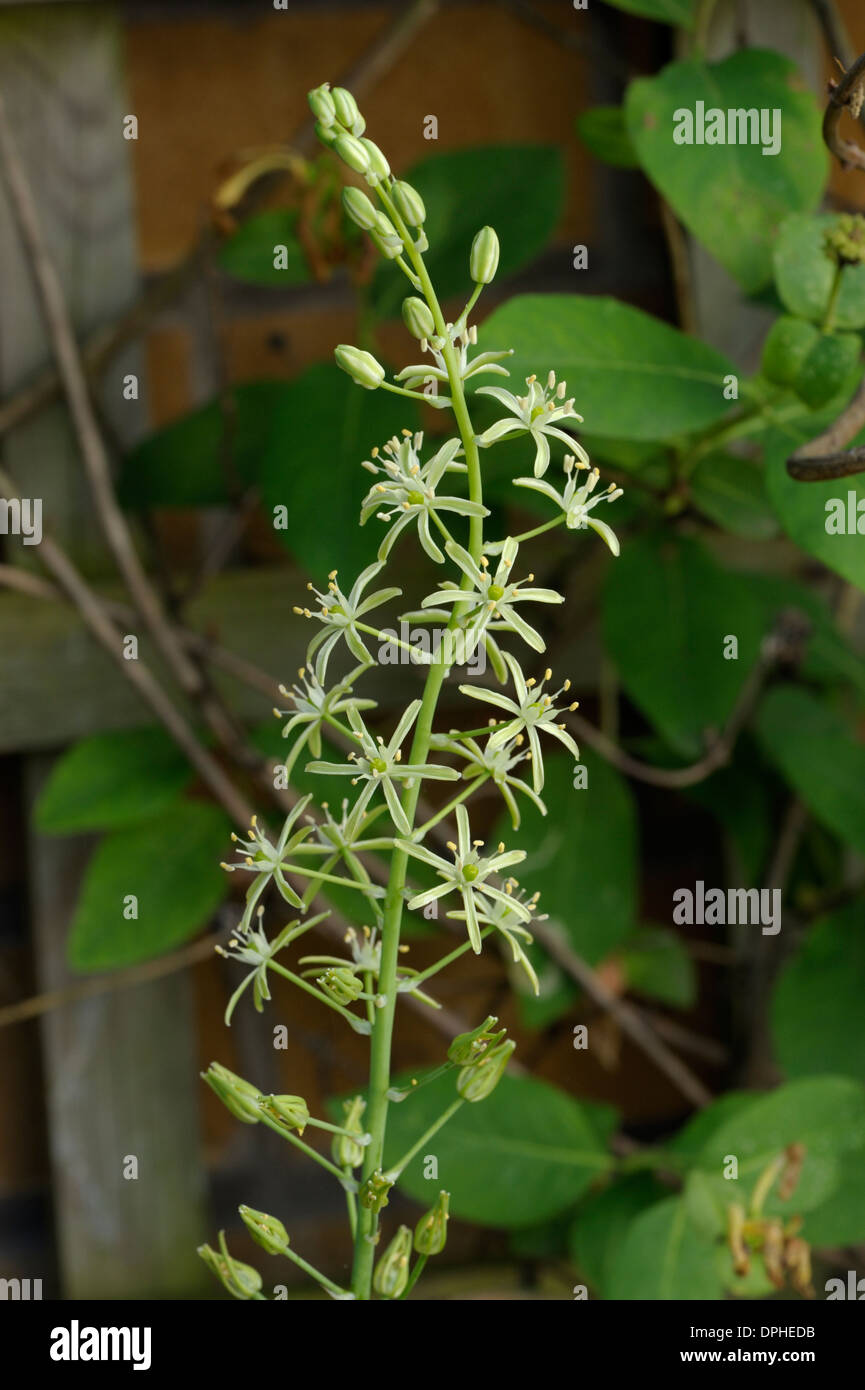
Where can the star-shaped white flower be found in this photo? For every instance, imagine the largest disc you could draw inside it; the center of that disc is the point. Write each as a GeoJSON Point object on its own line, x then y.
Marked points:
{"type": "Point", "coordinates": [577, 501]}
{"type": "Point", "coordinates": [538, 413]}
{"type": "Point", "coordinates": [469, 875]}
{"type": "Point", "coordinates": [341, 613]}
{"type": "Point", "coordinates": [267, 861]}
{"type": "Point", "coordinates": [532, 712]}
{"type": "Point", "coordinates": [379, 764]}
{"type": "Point", "coordinates": [314, 706]}
{"type": "Point", "coordinates": [408, 491]}
{"type": "Point", "coordinates": [496, 762]}
{"type": "Point", "coordinates": [493, 597]}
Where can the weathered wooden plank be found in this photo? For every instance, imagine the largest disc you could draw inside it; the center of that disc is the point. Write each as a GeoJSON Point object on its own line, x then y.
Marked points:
{"type": "Point", "coordinates": [120, 1071]}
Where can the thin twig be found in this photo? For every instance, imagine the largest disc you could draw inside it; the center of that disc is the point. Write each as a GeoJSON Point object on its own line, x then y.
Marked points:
{"type": "Point", "coordinates": [846, 94]}
{"type": "Point", "coordinates": [825, 457]}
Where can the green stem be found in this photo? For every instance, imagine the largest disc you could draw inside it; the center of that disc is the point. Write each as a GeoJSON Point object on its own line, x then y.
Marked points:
{"type": "Point", "coordinates": [359, 1025]}
{"type": "Point", "coordinates": [382, 1033]}
{"type": "Point", "coordinates": [312, 1272]}
{"type": "Point", "coordinates": [539, 530]}
{"type": "Point", "coordinates": [415, 1275]}
{"type": "Point", "coordinates": [451, 806]}
{"type": "Point", "coordinates": [397, 1168]}
{"type": "Point", "coordinates": [304, 1148]}
{"type": "Point", "coordinates": [446, 960]}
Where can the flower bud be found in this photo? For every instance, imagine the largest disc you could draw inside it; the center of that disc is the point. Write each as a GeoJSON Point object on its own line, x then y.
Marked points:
{"type": "Point", "coordinates": [347, 1153]}
{"type": "Point", "coordinates": [374, 1193]}
{"type": "Point", "coordinates": [326, 133]}
{"type": "Point", "coordinates": [377, 166]}
{"type": "Point", "coordinates": [408, 203]}
{"type": "Point", "coordinates": [340, 984]}
{"type": "Point", "coordinates": [391, 1272]}
{"type": "Point", "coordinates": [361, 366]}
{"type": "Point", "coordinates": [347, 112]}
{"type": "Point", "coordinates": [484, 257]}
{"type": "Point", "coordinates": [292, 1112]}
{"type": "Point", "coordinates": [241, 1281]}
{"type": "Point", "coordinates": [322, 104]}
{"type": "Point", "coordinates": [431, 1231]}
{"type": "Point", "coordinates": [386, 236]}
{"type": "Point", "coordinates": [418, 318]}
{"type": "Point", "coordinates": [477, 1081]}
{"type": "Point", "coordinates": [469, 1047]}
{"type": "Point", "coordinates": [237, 1095]}
{"type": "Point", "coordinates": [358, 207]}
{"type": "Point", "coordinates": [266, 1230]}
{"type": "Point", "coordinates": [351, 151]}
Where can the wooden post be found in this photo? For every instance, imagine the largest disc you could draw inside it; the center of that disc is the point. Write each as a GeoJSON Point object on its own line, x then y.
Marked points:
{"type": "Point", "coordinates": [121, 1069]}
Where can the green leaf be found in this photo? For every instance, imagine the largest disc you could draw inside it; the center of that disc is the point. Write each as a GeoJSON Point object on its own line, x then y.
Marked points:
{"type": "Point", "coordinates": [804, 274]}
{"type": "Point", "coordinates": [321, 430]}
{"type": "Point", "coordinates": [840, 1220]}
{"type": "Point", "coordinates": [805, 508]}
{"type": "Point", "coordinates": [817, 1003]}
{"type": "Point", "coordinates": [673, 593]}
{"type": "Point", "coordinates": [656, 964]}
{"type": "Point", "coordinates": [826, 1114]}
{"type": "Point", "coordinates": [816, 751]}
{"type": "Point", "coordinates": [633, 377]}
{"type": "Point", "coordinates": [681, 12]}
{"type": "Point", "coordinates": [171, 865]}
{"type": "Point", "coordinates": [515, 1159]}
{"type": "Point", "coordinates": [665, 1256]}
{"type": "Point", "coordinates": [602, 1223]}
{"type": "Point", "coordinates": [518, 189]}
{"type": "Point", "coordinates": [205, 458]}
{"type": "Point", "coordinates": [111, 780]}
{"type": "Point", "coordinates": [603, 131]}
{"type": "Point", "coordinates": [692, 1140]}
{"type": "Point", "coordinates": [733, 198]}
{"type": "Point", "coordinates": [249, 255]}
{"type": "Point", "coordinates": [731, 492]}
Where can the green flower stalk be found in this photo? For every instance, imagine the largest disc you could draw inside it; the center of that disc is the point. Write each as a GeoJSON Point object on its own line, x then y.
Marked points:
{"type": "Point", "coordinates": [383, 835]}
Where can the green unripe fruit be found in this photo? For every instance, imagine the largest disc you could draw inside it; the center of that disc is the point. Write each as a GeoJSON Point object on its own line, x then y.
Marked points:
{"type": "Point", "coordinates": [827, 368]}
{"type": "Point", "coordinates": [484, 257]}
{"type": "Point", "coordinates": [391, 1272]}
{"type": "Point", "coordinates": [321, 104]}
{"type": "Point", "coordinates": [408, 203]}
{"type": "Point", "coordinates": [266, 1231]}
{"type": "Point", "coordinates": [418, 318]}
{"type": "Point", "coordinates": [430, 1233]}
{"type": "Point", "coordinates": [359, 208]}
{"type": "Point", "coordinates": [347, 112]}
{"type": "Point", "coordinates": [786, 348]}
{"type": "Point", "coordinates": [351, 151]}
{"type": "Point", "coordinates": [475, 1082]}
{"type": "Point", "coordinates": [361, 366]}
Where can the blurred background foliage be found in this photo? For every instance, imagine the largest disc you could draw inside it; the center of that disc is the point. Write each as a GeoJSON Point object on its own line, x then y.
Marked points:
{"type": "Point", "coordinates": [584, 1166]}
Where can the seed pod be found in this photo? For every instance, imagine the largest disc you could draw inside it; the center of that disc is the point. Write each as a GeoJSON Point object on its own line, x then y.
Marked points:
{"type": "Point", "coordinates": [237, 1095]}
{"type": "Point", "coordinates": [340, 984]}
{"type": "Point", "coordinates": [347, 1153]}
{"type": "Point", "coordinates": [358, 207]}
{"type": "Point", "coordinates": [266, 1231]}
{"type": "Point", "coordinates": [431, 1231]}
{"type": "Point", "coordinates": [352, 152]}
{"type": "Point", "coordinates": [391, 1272]}
{"type": "Point", "coordinates": [468, 1047]}
{"type": "Point", "coordinates": [361, 366]}
{"type": "Point", "coordinates": [292, 1112]}
{"type": "Point", "coordinates": [241, 1280]}
{"type": "Point", "coordinates": [484, 257]}
{"type": "Point", "coordinates": [347, 112]}
{"type": "Point", "coordinates": [322, 105]}
{"type": "Point", "coordinates": [408, 203]}
{"type": "Point", "coordinates": [477, 1081]}
{"type": "Point", "coordinates": [418, 318]}
{"type": "Point", "coordinates": [377, 166]}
